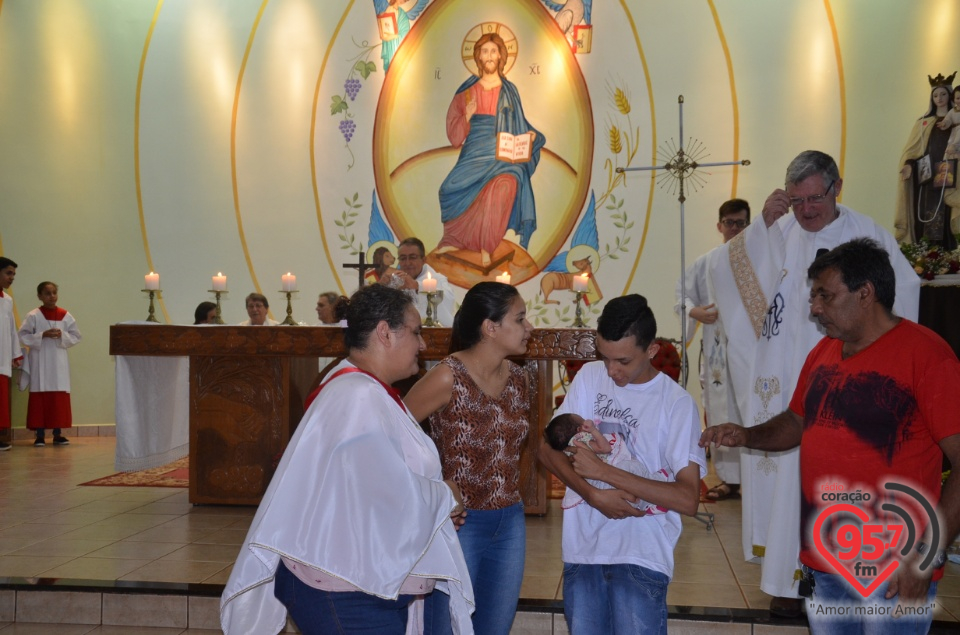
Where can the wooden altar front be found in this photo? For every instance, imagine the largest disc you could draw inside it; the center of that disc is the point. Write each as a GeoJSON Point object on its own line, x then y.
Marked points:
{"type": "Point", "coordinates": [939, 307]}
{"type": "Point", "coordinates": [248, 385]}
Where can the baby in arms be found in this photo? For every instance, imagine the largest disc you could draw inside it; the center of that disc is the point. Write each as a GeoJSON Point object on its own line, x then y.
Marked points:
{"type": "Point", "coordinates": [566, 429]}
{"type": "Point", "coordinates": [951, 120]}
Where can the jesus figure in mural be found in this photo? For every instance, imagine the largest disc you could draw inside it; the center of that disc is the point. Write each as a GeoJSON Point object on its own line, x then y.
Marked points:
{"type": "Point", "coordinates": [488, 191]}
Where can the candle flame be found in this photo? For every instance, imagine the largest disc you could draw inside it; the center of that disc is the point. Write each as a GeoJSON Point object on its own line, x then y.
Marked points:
{"type": "Point", "coordinates": [429, 277]}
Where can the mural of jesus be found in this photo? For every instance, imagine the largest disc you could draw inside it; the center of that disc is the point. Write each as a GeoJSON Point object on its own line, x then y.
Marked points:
{"type": "Point", "coordinates": [484, 196]}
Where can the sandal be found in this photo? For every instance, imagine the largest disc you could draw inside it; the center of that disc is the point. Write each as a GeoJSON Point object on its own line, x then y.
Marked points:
{"type": "Point", "coordinates": [723, 491]}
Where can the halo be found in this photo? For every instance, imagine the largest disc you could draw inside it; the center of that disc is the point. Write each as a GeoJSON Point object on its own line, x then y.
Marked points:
{"type": "Point", "coordinates": [377, 245]}
{"type": "Point", "coordinates": [579, 252]}
{"type": "Point", "coordinates": [509, 39]}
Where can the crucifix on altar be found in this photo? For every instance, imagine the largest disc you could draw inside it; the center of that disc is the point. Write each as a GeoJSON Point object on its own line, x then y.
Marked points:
{"type": "Point", "coordinates": [680, 166]}
{"type": "Point", "coordinates": [362, 266]}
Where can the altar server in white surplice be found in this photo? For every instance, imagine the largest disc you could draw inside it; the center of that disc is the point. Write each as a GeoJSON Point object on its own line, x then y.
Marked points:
{"type": "Point", "coordinates": [357, 525]}
{"type": "Point", "coordinates": [11, 356]}
{"type": "Point", "coordinates": [48, 331]}
{"type": "Point", "coordinates": [719, 402]}
{"type": "Point", "coordinates": [763, 294]}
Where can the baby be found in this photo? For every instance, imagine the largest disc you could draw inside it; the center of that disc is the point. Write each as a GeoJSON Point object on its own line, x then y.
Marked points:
{"type": "Point", "coordinates": [951, 120]}
{"type": "Point", "coordinates": [566, 429]}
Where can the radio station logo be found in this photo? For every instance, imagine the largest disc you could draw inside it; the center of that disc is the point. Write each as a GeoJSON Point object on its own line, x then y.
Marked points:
{"type": "Point", "coordinates": [866, 550]}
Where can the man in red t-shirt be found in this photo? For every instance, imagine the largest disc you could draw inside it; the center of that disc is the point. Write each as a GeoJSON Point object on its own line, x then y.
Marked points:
{"type": "Point", "coordinates": [872, 407]}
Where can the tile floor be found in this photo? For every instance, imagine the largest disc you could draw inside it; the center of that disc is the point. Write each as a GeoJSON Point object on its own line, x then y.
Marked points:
{"type": "Point", "coordinates": [52, 528]}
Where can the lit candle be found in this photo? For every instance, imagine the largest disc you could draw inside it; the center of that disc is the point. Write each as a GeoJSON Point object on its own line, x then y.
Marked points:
{"type": "Point", "coordinates": [288, 282]}
{"type": "Point", "coordinates": [219, 282]}
{"type": "Point", "coordinates": [151, 281]}
{"type": "Point", "coordinates": [504, 277]}
{"type": "Point", "coordinates": [429, 284]}
{"type": "Point", "coordinates": [580, 282]}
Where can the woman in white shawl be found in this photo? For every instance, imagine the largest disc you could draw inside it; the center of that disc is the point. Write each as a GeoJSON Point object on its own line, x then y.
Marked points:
{"type": "Point", "coordinates": [357, 525]}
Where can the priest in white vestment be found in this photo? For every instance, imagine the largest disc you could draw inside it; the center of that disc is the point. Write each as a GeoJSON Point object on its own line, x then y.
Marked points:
{"type": "Point", "coordinates": [411, 256]}
{"type": "Point", "coordinates": [763, 294]}
{"type": "Point", "coordinates": [719, 402]}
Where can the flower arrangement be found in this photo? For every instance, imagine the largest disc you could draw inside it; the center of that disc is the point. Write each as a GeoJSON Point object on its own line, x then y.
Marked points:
{"type": "Point", "coordinates": [930, 261]}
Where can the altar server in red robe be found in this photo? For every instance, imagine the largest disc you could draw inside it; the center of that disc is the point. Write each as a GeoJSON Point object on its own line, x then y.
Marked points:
{"type": "Point", "coordinates": [49, 331]}
{"type": "Point", "coordinates": [10, 353]}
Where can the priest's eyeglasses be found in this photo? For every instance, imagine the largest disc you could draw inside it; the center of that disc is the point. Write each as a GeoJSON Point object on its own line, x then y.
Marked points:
{"type": "Point", "coordinates": [811, 200]}
{"type": "Point", "coordinates": [730, 223]}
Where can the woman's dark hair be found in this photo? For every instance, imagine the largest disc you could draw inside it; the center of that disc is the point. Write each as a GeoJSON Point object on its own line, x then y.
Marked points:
{"type": "Point", "coordinates": [628, 315]}
{"type": "Point", "coordinates": [340, 307]}
{"type": "Point", "coordinates": [368, 307]}
{"type": "Point", "coordinates": [485, 301]}
{"type": "Point", "coordinates": [200, 314]}
{"type": "Point", "coordinates": [44, 284]}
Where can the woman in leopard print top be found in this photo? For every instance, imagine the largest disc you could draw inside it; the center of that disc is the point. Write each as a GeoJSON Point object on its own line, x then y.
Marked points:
{"type": "Point", "coordinates": [479, 407]}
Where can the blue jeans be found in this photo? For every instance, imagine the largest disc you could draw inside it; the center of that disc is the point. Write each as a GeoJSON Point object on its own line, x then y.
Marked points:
{"type": "Point", "coordinates": [494, 544]}
{"type": "Point", "coordinates": [837, 609]}
{"type": "Point", "coordinates": [317, 612]}
{"type": "Point", "coordinates": [618, 599]}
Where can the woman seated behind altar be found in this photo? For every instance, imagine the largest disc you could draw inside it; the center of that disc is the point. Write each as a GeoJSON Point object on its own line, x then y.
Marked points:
{"type": "Point", "coordinates": [205, 313]}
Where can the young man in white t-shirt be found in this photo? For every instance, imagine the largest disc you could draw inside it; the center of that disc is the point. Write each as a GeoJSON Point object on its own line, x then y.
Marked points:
{"type": "Point", "coordinates": [616, 561]}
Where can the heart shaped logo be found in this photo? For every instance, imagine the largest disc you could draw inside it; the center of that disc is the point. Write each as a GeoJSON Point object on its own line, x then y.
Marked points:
{"type": "Point", "coordinates": [853, 538]}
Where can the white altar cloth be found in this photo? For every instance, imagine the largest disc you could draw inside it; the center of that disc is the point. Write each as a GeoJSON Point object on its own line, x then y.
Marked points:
{"type": "Point", "coordinates": [152, 411]}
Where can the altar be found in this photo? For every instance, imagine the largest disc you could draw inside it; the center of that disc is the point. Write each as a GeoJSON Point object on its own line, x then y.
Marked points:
{"type": "Point", "coordinates": [940, 306]}
{"type": "Point", "coordinates": [247, 386]}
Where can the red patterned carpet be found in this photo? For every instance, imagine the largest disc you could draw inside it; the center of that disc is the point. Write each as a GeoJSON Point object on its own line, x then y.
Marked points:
{"type": "Point", "coordinates": [176, 474]}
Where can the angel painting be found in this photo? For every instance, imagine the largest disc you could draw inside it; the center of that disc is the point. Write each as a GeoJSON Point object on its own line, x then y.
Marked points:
{"type": "Point", "coordinates": [394, 20]}
{"type": "Point", "coordinates": [571, 13]}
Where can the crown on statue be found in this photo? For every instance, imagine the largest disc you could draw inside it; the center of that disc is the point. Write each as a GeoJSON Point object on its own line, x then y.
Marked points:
{"type": "Point", "coordinates": [940, 80]}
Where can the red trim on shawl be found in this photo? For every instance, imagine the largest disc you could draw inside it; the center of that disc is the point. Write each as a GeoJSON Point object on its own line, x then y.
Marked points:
{"type": "Point", "coordinates": [343, 371]}
{"type": "Point", "coordinates": [55, 314]}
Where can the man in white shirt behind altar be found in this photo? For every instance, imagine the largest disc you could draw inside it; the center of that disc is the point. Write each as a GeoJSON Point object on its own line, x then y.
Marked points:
{"type": "Point", "coordinates": [257, 307]}
{"type": "Point", "coordinates": [763, 294]}
{"type": "Point", "coordinates": [719, 401]}
{"type": "Point", "coordinates": [413, 271]}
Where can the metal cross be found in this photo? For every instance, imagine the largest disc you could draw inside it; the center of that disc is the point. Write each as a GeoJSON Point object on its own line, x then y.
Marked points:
{"type": "Point", "coordinates": [681, 167]}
